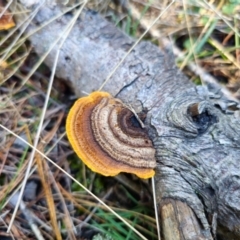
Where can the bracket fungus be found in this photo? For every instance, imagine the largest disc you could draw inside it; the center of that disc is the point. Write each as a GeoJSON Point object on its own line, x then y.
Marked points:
{"type": "Point", "coordinates": [107, 137]}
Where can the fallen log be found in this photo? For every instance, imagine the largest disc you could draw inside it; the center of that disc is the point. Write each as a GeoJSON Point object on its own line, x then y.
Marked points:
{"type": "Point", "coordinates": [197, 141]}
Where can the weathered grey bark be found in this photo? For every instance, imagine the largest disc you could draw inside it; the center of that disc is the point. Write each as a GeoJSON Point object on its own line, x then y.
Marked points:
{"type": "Point", "coordinates": [198, 145]}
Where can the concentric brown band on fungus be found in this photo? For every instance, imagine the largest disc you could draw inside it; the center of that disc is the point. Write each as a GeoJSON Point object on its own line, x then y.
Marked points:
{"type": "Point", "coordinates": [106, 137]}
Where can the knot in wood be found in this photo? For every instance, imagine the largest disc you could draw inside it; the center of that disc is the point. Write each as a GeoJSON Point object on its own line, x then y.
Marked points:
{"type": "Point", "coordinates": [192, 115]}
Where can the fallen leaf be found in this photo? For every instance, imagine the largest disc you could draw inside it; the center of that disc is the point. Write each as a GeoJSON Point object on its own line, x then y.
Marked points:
{"type": "Point", "coordinates": [6, 21]}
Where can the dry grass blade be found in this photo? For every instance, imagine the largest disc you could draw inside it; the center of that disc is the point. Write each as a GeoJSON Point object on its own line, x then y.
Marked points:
{"type": "Point", "coordinates": [15, 181]}
{"type": "Point", "coordinates": [67, 216]}
{"type": "Point", "coordinates": [43, 171]}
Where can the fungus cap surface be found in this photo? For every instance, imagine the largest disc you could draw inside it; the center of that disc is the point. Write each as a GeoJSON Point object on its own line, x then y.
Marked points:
{"type": "Point", "coordinates": [107, 138]}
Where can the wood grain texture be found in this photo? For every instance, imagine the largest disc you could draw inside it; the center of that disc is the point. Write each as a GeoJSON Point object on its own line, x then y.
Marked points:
{"type": "Point", "coordinates": [108, 138]}
{"type": "Point", "coordinates": [179, 222]}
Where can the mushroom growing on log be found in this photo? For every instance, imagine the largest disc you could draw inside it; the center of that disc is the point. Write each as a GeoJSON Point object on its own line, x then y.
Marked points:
{"type": "Point", "coordinates": [108, 138]}
{"type": "Point", "coordinates": [197, 143]}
